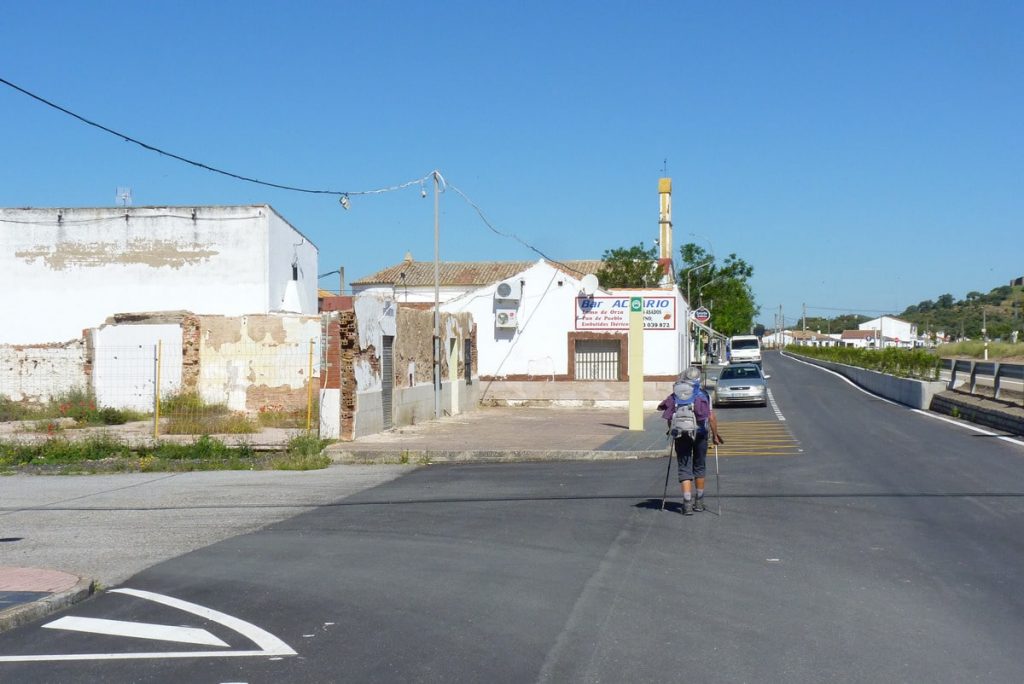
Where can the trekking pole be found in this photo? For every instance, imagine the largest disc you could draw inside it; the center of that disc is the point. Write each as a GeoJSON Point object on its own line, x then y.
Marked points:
{"type": "Point", "coordinates": [718, 484]}
{"type": "Point", "coordinates": [668, 470]}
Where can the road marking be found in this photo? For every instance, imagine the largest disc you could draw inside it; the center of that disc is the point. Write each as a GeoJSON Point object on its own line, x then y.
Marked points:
{"type": "Point", "coordinates": [845, 379]}
{"type": "Point", "coordinates": [757, 438]}
{"type": "Point", "coordinates": [775, 407]}
{"type": "Point", "coordinates": [139, 630]}
{"type": "Point", "coordinates": [929, 414]}
{"type": "Point", "coordinates": [269, 645]}
{"type": "Point", "coordinates": [972, 428]}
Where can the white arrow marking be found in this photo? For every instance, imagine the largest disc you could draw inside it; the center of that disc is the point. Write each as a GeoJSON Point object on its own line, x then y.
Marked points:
{"type": "Point", "coordinates": [269, 644]}
{"type": "Point", "coordinates": [139, 630]}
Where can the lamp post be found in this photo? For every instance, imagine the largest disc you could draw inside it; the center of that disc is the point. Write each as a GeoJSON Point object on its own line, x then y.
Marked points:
{"type": "Point", "coordinates": [689, 272]}
{"type": "Point", "coordinates": [437, 294]}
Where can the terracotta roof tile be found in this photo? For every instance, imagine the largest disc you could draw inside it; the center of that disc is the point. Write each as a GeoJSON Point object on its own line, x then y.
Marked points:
{"type": "Point", "coordinates": [466, 273]}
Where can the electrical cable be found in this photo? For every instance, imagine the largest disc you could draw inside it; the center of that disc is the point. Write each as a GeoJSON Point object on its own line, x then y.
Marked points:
{"type": "Point", "coordinates": [207, 167]}
{"type": "Point", "coordinates": [512, 236]}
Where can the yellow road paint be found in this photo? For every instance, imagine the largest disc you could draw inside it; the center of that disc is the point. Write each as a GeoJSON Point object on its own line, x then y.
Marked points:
{"type": "Point", "coordinates": [757, 438]}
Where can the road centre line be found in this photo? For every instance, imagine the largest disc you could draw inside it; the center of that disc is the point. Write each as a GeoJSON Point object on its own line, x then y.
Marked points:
{"type": "Point", "coordinates": [928, 414]}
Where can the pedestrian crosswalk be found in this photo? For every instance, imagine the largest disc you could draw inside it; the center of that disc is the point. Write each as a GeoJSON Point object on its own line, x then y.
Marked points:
{"type": "Point", "coordinates": [757, 438]}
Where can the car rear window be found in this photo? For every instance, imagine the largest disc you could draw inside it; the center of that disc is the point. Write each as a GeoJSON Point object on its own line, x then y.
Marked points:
{"type": "Point", "coordinates": [735, 372]}
{"type": "Point", "coordinates": [744, 344]}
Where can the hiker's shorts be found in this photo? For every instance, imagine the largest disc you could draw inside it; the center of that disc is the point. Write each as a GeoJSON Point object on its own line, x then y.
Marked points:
{"type": "Point", "coordinates": [692, 456]}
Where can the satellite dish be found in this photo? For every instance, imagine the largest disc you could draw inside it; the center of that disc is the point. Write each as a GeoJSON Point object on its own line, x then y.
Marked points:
{"type": "Point", "coordinates": [589, 284]}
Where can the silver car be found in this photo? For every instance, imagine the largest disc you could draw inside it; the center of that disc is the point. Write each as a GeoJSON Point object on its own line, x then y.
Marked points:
{"type": "Point", "coordinates": [740, 383]}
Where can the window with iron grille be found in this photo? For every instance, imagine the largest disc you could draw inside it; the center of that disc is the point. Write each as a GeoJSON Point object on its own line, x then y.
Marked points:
{"type": "Point", "coordinates": [597, 359]}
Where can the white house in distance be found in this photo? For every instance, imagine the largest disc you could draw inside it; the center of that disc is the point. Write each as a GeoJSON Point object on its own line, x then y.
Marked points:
{"type": "Point", "coordinates": [894, 332]}
{"type": "Point", "coordinates": [72, 268]}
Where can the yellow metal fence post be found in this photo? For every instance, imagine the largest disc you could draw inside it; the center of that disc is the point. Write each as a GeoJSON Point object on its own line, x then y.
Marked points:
{"type": "Point", "coordinates": [309, 391]}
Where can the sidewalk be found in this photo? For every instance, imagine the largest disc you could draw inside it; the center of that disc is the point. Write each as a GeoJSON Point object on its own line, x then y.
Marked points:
{"type": "Point", "coordinates": [502, 434]}
{"type": "Point", "coordinates": [28, 594]}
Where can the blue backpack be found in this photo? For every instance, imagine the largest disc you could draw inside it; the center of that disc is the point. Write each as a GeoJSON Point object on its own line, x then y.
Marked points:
{"type": "Point", "coordinates": [692, 410]}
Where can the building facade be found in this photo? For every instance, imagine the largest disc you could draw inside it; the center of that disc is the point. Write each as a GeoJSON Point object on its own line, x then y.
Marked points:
{"type": "Point", "coordinates": [73, 268]}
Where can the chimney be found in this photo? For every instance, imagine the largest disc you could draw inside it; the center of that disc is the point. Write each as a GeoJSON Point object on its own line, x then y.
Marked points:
{"type": "Point", "coordinates": [665, 230]}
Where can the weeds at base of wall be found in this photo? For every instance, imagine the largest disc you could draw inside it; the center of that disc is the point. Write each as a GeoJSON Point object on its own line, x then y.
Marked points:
{"type": "Point", "coordinates": [75, 408]}
{"type": "Point", "coordinates": [105, 453]}
{"type": "Point", "coordinates": [955, 412]}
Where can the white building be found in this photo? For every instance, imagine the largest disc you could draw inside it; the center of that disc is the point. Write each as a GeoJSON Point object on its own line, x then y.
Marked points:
{"type": "Point", "coordinates": [542, 335]}
{"type": "Point", "coordinates": [70, 269]}
{"type": "Point", "coordinates": [894, 332]}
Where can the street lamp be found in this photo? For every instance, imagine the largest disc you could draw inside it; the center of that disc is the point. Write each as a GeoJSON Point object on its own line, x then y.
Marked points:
{"type": "Point", "coordinates": [700, 290]}
{"type": "Point", "coordinates": [689, 272]}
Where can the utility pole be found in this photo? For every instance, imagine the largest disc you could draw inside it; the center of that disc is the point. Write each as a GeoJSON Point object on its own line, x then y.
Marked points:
{"type": "Point", "coordinates": [805, 318]}
{"type": "Point", "coordinates": [437, 295]}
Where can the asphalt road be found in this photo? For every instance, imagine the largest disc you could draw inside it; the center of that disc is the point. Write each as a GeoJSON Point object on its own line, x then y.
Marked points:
{"type": "Point", "coordinates": [885, 549]}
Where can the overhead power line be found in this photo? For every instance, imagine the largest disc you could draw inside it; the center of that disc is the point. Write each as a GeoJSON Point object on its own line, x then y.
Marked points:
{"type": "Point", "coordinates": [207, 167]}
{"type": "Point", "coordinates": [343, 194]}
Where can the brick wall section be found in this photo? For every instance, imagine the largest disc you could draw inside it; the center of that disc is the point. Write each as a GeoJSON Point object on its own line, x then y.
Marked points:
{"type": "Point", "coordinates": [191, 333]}
{"type": "Point", "coordinates": [348, 338]}
{"type": "Point", "coordinates": [332, 354]}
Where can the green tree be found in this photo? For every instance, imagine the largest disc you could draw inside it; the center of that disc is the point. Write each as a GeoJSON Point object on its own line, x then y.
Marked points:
{"type": "Point", "coordinates": [727, 285]}
{"type": "Point", "coordinates": [634, 266]}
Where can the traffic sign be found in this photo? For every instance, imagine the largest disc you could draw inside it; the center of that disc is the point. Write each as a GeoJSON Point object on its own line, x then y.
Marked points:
{"type": "Point", "coordinates": [636, 304]}
{"type": "Point", "coordinates": [701, 315]}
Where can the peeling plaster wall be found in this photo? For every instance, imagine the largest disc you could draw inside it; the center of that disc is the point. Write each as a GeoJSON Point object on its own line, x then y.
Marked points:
{"type": "Point", "coordinates": [375, 318]}
{"type": "Point", "coordinates": [258, 362]}
{"type": "Point", "coordinates": [124, 363]}
{"type": "Point", "coordinates": [89, 263]}
{"type": "Point", "coordinates": [38, 373]}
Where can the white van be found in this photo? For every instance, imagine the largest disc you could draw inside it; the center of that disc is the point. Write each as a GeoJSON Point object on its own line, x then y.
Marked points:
{"type": "Point", "coordinates": [745, 349]}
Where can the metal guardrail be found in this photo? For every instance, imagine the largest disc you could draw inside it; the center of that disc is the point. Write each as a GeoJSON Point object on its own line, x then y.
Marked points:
{"type": "Point", "coordinates": [985, 369]}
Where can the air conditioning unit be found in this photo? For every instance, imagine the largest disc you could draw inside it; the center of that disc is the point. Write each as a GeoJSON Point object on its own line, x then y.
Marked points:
{"type": "Point", "coordinates": [505, 318]}
{"type": "Point", "coordinates": [509, 289]}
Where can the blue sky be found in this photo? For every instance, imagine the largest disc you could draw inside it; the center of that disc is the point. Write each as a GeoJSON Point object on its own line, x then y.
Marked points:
{"type": "Point", "coordinates": [861, 156]}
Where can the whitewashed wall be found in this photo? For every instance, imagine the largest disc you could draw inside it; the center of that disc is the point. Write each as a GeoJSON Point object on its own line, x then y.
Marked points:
{"type": "Point", "coordinates": [89, 263]}
{"type": "Point", "coordinates": [41, 373]}
{"type": "Point", "coordinates": [124, 366]}
{"type": "Point", "coordinates": [284, 245]}
{"type": "Point", "coordinates": [547, 313]}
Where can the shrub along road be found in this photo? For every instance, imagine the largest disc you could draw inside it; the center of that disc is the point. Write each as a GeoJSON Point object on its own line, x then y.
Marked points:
{"type": "Point", "coordinates": [887, 550]}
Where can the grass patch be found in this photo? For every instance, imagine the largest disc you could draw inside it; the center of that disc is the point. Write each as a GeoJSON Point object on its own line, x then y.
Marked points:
{"type": "Point", "coordinates": [77, 404]}
{"type": "Point", "coordinates": [304, 452]}
{"type": "Point", "coordinates": [975, 349]}
{"type": "Point", "coordinates": [188, 414]}
{"type": "Point", "coordinates": [278, 417]}
{"type": "Point", "coordinates": [107, 453]}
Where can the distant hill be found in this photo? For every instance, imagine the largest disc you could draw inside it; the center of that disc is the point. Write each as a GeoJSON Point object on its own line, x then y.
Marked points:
{"type": "Point", "coordinates": [1003, 309]}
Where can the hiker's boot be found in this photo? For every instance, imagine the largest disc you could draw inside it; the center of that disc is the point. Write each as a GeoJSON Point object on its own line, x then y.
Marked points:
{"type": "Point", "coordinates": [687, 508]}
{"type": "Point", "coordinates": [698, 505]}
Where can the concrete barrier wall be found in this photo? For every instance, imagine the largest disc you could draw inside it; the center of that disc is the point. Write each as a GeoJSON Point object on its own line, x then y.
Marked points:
{"type": "Point", "coordinates": [914, 393]}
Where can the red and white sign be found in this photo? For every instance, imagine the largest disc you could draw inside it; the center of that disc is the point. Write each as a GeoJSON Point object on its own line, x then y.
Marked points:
{"type": "Point", "coordinates": [612, 313]}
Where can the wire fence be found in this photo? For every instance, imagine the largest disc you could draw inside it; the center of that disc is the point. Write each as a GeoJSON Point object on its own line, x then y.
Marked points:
{"type": "Point", "coordinates": [231, 388]}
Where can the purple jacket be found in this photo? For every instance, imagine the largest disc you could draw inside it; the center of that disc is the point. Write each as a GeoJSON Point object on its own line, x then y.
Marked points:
{"type": "Point", "coordinates": [668, 406]}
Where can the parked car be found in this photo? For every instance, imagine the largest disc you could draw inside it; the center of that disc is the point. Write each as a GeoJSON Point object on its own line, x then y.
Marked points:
{"type": "Point", "coordinates": [740, 383]}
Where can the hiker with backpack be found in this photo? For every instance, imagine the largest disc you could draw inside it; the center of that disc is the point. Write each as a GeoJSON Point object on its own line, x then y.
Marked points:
{"type": "Point", "coordinates": [690, 421]}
